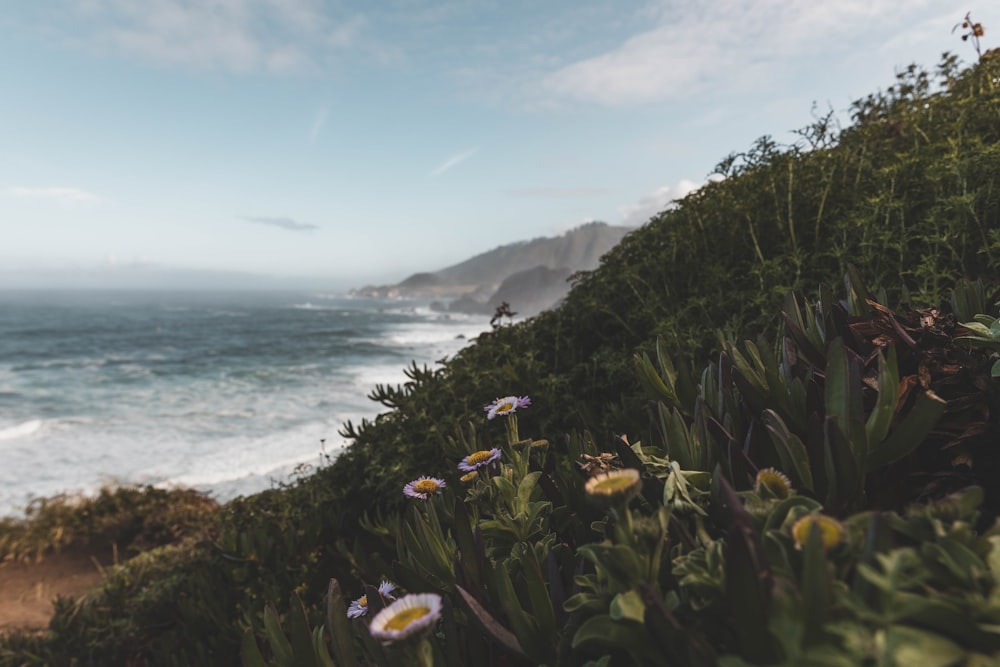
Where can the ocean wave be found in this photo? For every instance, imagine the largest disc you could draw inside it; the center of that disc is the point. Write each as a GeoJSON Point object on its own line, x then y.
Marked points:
{"type": "Point", "coordinates": [21, 430]}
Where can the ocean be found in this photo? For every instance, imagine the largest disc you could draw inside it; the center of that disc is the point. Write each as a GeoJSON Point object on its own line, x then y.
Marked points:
{"type": "Point", "coordinates": [228, 392]}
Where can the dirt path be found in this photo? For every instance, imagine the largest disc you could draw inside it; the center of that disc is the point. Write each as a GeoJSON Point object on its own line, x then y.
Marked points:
{"type": "Point", "coordinates": [27, 590]}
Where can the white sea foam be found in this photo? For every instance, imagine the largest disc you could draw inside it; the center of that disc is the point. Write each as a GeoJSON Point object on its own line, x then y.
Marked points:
{"type": "Point", "coordinates": [229, 408]}
{"type": "Point", "coordinates": [21, 430]}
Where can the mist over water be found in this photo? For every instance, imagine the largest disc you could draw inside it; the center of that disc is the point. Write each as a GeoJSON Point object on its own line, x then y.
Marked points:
{"type": "Point", "coordinates": [222, 391]}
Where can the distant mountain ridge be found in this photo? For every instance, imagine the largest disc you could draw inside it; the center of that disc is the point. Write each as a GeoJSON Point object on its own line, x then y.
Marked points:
{"type": "Point", "coordinates": [529, 275]}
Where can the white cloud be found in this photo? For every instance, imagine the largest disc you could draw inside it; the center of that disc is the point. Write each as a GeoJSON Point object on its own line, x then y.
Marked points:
{"type": "Point", "coordinates": [59, 194]}
{"type": "Point", "coordinates": [453, 161]}
{"type": "Point", "coordinates": [276, 36]}
{"type": "Point", "coordinates": [660, 199]}
{"type": "Point", "coordinates": [695, 46]}
{"type": "Point", "coordinates": [281, 223]}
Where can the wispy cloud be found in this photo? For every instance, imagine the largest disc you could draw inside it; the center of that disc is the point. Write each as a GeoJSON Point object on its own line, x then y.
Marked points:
{"type": "Point", "coordinates": [281, 222]}
{"type": "Point", "coordinates": [59, 194]}
{"type": "Point", "coordinates": [660, 199]}
{"type": "Point", "coordinates": [231, 35]}
{"type": "Point", "coordinates": [319, 122]}
{"type": "Point", "coordinates": [695, 46]}
{"type": "Point", "coordinates": [558, 193]}
{"type": "Point", "coordinates": [452, 161]}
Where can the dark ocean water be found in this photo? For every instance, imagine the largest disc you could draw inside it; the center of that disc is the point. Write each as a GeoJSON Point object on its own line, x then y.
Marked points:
{"type": "Point", "coordinates": [222, 391]}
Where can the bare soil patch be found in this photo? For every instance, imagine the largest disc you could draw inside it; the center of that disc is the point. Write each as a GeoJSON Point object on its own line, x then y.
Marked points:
{"type": "Point", "coordinates": [27, 590]}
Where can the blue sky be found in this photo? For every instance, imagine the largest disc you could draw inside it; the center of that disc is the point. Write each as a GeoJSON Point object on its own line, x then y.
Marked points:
{"type": "Point", "coordinates": [350, 142]}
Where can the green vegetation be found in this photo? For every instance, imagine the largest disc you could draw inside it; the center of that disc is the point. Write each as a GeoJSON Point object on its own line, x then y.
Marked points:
{"type": "Point", "coordinates": [879, 415]}
{"type": "Point", "coordinates": [128, 519]}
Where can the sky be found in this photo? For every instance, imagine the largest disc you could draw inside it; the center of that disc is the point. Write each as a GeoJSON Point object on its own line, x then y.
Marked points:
{"type": "Point", "coordinates": [339, 143]}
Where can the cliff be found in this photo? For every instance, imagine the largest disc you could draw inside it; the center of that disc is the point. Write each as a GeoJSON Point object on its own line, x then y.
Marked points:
{"type": "Point", "coordinates": [530, 275]}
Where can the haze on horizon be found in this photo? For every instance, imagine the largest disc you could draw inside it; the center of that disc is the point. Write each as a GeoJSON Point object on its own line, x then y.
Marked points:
{"type": "Point", "coordinates": [215, 142]}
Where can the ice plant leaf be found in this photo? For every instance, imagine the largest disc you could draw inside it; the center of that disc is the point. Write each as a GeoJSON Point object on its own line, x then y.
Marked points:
{"type": "Point", "coordinates": [748, 576]}
{"type": "Point", "coordinates": [339, 626]}
{"type": "Point", "coordinates": [881, 415]}
{"type": "Point", "coordinates": [525, 628]}
{"type": "Point", "coordinates": [910, 432]}
{"type": "Point", "coordinates": [280, 645]}
{"type": "Point", "coordinates": [843, 402]}
{"type": "Point", "coordinates": [652, 382]}
{"type": "Point", "coordinates": [538, 594]}
{"type": "Point", "coordinates": [791, 451]}
{"type": "Point", "coordinates": [251, 654]}
{"type": "Point", "coordinates": [298, 629]}
{"type": "Point", "coordinates": [815, 582]}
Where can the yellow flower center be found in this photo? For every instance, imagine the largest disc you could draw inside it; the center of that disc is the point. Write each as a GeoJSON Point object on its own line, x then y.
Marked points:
{"type": "Point", "coordinates": [363, 601]}
{"type": "Point", "coordinates": [479, 457]}
{"type": "Point", "coordinates": [775, 482]}
{"type": "Point", "coordinates": [831, 532]}
{"type": "Point", "coordinates": [469, 477]}
{"type": "Point", "coordinates": [614, 485]}
{"type": "Point", "coordinates": [401, 620]}
{"type": "Point", "coordinates": [426, 486]}
{"type": "Point", "coordinates": [504, 408]}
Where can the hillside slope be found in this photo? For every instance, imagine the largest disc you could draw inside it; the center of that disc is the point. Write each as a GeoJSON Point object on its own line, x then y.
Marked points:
{"type": "Point", "coordinates": [910, 194]}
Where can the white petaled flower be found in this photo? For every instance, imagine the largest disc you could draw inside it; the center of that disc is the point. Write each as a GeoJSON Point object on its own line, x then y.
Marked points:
{"type": "Point", "coordinates": [359, 607]}
{"type": "Point", "coordinates": [480, 459]}
{"type": "Point", "coordinates": [424, 487]}
{"type": "Point", "coordinates": [409, 616]}
{"type": "Point", "coordinates": [506, 406]}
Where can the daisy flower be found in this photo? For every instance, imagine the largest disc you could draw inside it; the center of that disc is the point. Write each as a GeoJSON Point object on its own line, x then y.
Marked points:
{"type": "Point", "coordinates": [359, 607]}
{"type": "Point", "coordinates": [624, 483]}
{"type": "Point", "coordinates": [476, 460]}
{"type": "Point", "coordinates": [506, 405]}
{"type": "Point", "coordinates": [423, 487]}
{"type": "Point", "coordinates": [410, 615]}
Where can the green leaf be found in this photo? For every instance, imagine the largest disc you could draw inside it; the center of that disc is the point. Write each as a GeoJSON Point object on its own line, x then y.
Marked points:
{"type": "Point", "coordinates": [842, 398]}
{"type": "Point", "coordinates": [815, 586]}
{"type": "Point", "coordinates": [628, 605]}
{"type": "Point", "coordinates": [462, 531]}
{"type": "Point", "coordinates": [321, 652]}
{"type": "Point", "coordinates": [844, 477]}
{"type": "Point", "coordinates": [339, 625]}
{"type": "Point", "coordinates": [280, 646]}
{"type": "Point", "coordinates": [881, 415]}
{"type": "Point", "coordinates": [583, 601]}
{"type": "Point", "coordinates": [251, 654]}
{"type": "Point", "coordinates": [747, 574]}
{"type": "Point", "coordinates": [621, 563]}
{"type": "Point", "coordinates": [652, 382]}
{"type": "Point", "coordinates": [299, 631]}
{"type": "Point", "coordinates": [538, 593]}
{"type": "Point", "coordinates": [490, 625]}
{"type": "Point", "coordinates": [534, 644]}
{"type": "Point", "coordinates": [910, 432]}
{"type": "Point", "coordinates": [857, 292]}
{"type": "Point", "coordinates": [916, 648]}
{"type": "Point", "coordinates": [524, 491]}
{"type": "Point", "coordinates": [791, 450]}
{"type": "Point", "coordinates": [603, 631]}
{"type": "Point", "coordinates": [679, 444]}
